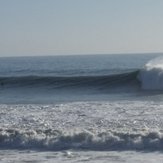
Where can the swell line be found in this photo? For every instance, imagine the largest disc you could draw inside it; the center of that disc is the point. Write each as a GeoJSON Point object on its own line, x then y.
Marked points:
{"type": "Point", "coordinates": [68, 81]}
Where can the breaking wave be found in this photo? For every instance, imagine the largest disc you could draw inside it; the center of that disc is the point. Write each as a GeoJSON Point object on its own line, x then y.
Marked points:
{"type": "Point", "coordinates": [151, 76]}
{"type": "Point", "coordinates": [57, 140]}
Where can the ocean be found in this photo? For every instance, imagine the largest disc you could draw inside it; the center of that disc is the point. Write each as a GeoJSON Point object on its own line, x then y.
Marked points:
{"type": "Point", "coordinates": [81, 108]}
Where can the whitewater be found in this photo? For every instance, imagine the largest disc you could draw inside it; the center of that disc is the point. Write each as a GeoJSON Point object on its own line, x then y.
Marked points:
{"type": "Point", "coordinates": [99, 108]}
{"type": "Point", "coordinates": [151, 76]}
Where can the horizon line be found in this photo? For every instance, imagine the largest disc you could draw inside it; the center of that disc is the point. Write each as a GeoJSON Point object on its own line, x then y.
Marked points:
{"type": "Point", "coordinates": [80, 54]}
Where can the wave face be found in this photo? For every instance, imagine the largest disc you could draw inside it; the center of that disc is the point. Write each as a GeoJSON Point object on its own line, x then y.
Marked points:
{"type": "Point", "coordinates": [151, 76]}
{"type": "Point", "coordinates": [70, 81]}
{"type": "Point", "coordinates": [56, 140]}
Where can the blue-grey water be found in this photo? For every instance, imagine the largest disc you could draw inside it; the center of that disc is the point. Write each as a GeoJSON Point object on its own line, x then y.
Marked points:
{"type": "Point", "coordinates": [70, 78]}
{"type": "Point", "coordinates": [94, 108]}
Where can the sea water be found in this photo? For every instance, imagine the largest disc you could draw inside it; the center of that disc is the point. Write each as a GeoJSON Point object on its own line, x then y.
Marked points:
{"type": "Point", "coordinates": [94, 108]}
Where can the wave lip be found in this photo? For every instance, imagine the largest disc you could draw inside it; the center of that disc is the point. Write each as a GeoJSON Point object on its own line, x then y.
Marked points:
{"type": "Point", "coordinates": [83, 140]}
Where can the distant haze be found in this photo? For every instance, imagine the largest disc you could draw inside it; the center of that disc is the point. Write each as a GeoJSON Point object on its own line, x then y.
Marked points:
{"type": "Point", "coordinates": [57, 27]}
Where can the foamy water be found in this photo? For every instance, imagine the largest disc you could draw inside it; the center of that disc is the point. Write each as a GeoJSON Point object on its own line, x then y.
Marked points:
{"type": "Point", "coordinates": [83, 125]}
{"type": "Point", "coordinates": [63, 129]}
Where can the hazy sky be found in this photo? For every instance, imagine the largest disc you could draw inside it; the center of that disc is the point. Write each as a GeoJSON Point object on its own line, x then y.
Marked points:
{"type": "Point", "coordinates": [50, 27]}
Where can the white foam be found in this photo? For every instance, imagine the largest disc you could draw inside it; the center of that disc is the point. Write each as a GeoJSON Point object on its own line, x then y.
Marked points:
{"type": "Point", "coordinates": [151, 76]}
{"type": "Point", "coordinates": [103, 125]}
{"type": "Point", "coordinates": [58, 140]}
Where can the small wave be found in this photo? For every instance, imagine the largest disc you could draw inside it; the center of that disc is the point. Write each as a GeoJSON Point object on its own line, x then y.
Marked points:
{"type": "Point", "coordinates": [57, 140]}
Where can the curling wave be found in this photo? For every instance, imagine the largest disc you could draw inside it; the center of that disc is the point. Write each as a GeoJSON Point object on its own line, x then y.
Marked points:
{"type": "Point", "coordinates": [150, 77]}
{"type": "Point", "coordinates": [57, 140]}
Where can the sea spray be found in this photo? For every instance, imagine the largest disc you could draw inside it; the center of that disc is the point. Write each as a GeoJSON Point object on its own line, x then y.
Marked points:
{"type": "Point", "coordinates": [151, 76]}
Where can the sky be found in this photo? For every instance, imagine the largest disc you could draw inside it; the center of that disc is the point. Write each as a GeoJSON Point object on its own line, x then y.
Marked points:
{"type": "Point", "coordinates": [61, 27]}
